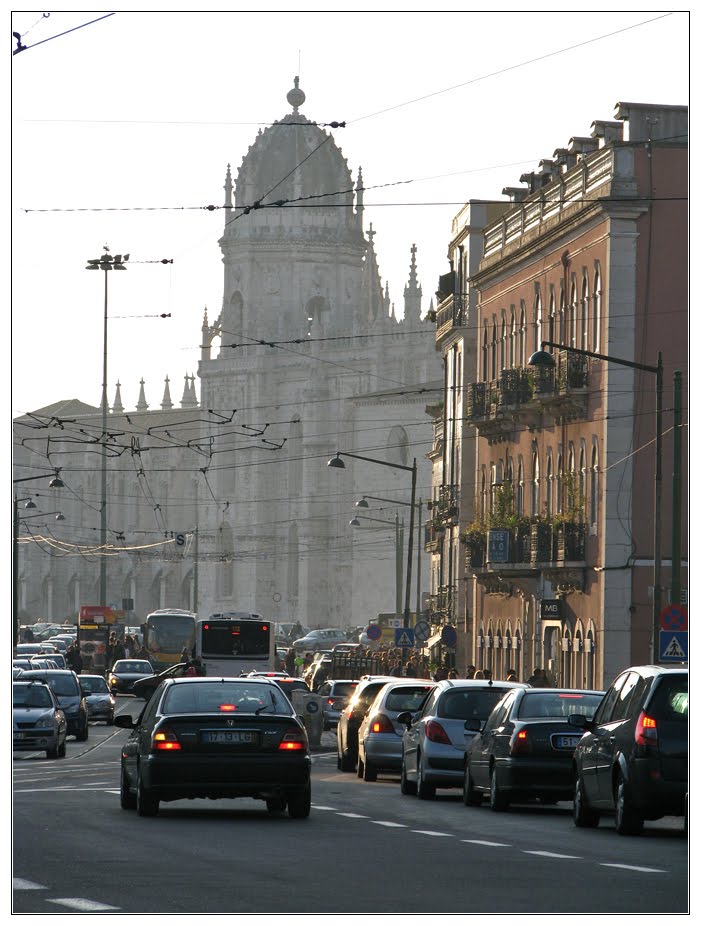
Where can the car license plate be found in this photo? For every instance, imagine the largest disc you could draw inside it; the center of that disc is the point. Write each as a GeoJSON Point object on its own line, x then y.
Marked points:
{"type": "Point", "coordinates": [231, 737]}
{"type": "Point", "coordinates": [566, 742]}
{"type": "Point", "coordinates": [18, 736]}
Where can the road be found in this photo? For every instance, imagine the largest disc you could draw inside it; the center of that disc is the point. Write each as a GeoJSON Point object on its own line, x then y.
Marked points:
{"type": "Point", "coordinates": [364, 849]}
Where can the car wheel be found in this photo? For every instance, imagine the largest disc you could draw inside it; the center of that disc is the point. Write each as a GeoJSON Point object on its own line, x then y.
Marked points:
{"type": "Point", "coordinates": [52, 753]}
{"type": "Point", "coordinates": [406, 786]}
{"type": "Point", "coordinates": [62, 749]}
{"type": "Point", "coordinates": [470, 797]}
{"type": "Point", "coordinates": [361, 767]}
{"type": "Point", "coordinates": [146, 804]}
{"type": "Point", "coordinates": [584, 816]}
{"type": "Point", "coordinates": [299, 803]}
{"type": "Point", "coordinates": [126, 799]}
{"type": "Point", "coordinates": [82, 734]}
{"type": "Point", "coordinates": [497, 799]}
{"type": "Point", "coordinates": [276, 804]}
{"type": "Point", "coordinates": [629, 822]}
{"type": "Point", "coordinates": [110, 720]}
{"type": "Point", "coordinates": [424, 791]}
{"type": "Point", "coordinates": [369, 771]}
{"type": "Point", "coordinates": [345, 762]}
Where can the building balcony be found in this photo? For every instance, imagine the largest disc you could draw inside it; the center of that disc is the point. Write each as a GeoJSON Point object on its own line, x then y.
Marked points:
{"type": "Point", "coordinates": [451, 313]}
{"type": "Point", "coordinates": [445, 508]}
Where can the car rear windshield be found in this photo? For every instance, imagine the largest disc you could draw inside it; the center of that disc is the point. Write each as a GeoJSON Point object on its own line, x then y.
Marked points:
{"type": "Point", "coordinates": [467, 704]}
{"type": "Point", "coordinates": [558, 704]}
{"type": "Point", "coordinates": [93, 684]}
{"type": "Point", "coordinates": [343, 689]}
{"type": "Point", "coordinates": [670, 700]}
{"type": "Point", "coordinates": [407, 699]}
{"type": "Point", "coordinates": [224, 698]}
{"type": "Point", "coordinates": [65, 685]}
{"type": "Point", "coordinates": [30, 696]}
{"type": "Point", "coordinates": [138, 666]}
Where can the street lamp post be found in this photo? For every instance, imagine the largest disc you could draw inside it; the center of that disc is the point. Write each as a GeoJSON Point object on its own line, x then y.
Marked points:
{"type": "Point", "coordinates": [543, 358]}
{"type": "Point", "coordinates": [398, 551]}
{"type": "Point", "coordinates": [56, 483]}
{"type": "Point", "coordinates": [338, 463]}
{"type": "Point", "coordinates": [105, 263]}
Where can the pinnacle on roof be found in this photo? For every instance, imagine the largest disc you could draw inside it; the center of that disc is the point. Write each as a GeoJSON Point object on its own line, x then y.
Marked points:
{"type": "Point", "coordinates": [166, 402]}
{"type": "Point", "coordinates": [142, 404]}
{"type": "Point", "coordinates": [117, 407]}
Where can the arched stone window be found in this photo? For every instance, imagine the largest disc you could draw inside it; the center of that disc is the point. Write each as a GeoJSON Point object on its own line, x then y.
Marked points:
{"type": "Point", "coordinates": [537, 322]}
{"type": "Point", "coordinates": [520, 488]}
{"type": "Point", "coordinates": [562, 339]}
{"type": "Point", "coordinates": [573, 313]}
{"type": "Point", "coordinates": [397, 450]}
{"type": "Point", "coordinates": [485, 356]}
{"type": "Point", "coordinates": [552, 317]}
{"type": "Point", "coordinates": [512, 340]}
{"type": "Point", "coordinates": [535, 484]}
{"type": "Point", "coordinates": [483, 493]}
{"type": "Point", "coordinates": [582, 487]}
{"type": "Point", "coordinates": [596, 312]}
{"type": "Point", "coordinates": [558, 485]}
{"type": "Point", "coordinates": [584, 320]}
{"type": "Point", "coordinates": [522, 336]}
{"type": "Point", "coordinates": [549, 487]}
{"type": "Point", "coordinates": [594, 484]}
{"type": "Point", "coordinates": [495, 372]}
{"type": "Point", "coordinates": [502, 342]}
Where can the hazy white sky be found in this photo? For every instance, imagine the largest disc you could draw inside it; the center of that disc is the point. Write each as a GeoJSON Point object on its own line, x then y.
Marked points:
{"type": "Point", "coordinates": [133, 119]}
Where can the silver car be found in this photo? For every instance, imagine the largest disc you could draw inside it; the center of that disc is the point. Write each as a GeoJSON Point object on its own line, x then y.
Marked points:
{"type": "Point", "coordinates": [336, 694]}
{"type": "Point", "coordinates": [38, 723]}
{"type": "Point", "coordinates": [435, 739]}
{"type": "Point", "coordinates": [380, 733]}
{"type": "Point", "coordinates": [101, 701]}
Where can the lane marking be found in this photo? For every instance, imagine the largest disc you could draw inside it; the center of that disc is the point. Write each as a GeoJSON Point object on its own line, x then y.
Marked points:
{"type": "Point", "coordinates": [355, 816]}
{"type": "Point", "coordinates": [19, 884]}
{"type": "Point", "coordinates": [547, 854]}
{"type": "Point", "coordinates": [431, 833]}
{"type": "Point", "coordinates": [321, 807]}
{"type": "Point", "coordinates": [388, 823]}
{"type": "Point", "coordinates": [486, 842]}
{"type": "Point", "coordinates": [81, 903]}
{"type": "Point", "coordinates": [49, 790]}
{"type": "Point", "coordinates": [660, 871]}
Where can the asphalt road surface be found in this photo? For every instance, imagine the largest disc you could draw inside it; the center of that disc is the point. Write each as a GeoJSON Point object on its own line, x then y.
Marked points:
{"type": "Point", "coordinates": [364, 849]}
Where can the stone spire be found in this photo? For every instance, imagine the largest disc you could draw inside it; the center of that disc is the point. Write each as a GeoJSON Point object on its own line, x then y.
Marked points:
{"type": "Point", "coordinates": [372, 299]}
{"type": "Point", "coordinates": [117, 407]}
{"type": "Point", "coordinates": [359, 192]}
{"type": "Point", "coordinates": [412, 293]}
{"type": "Point", "coordinates": [193, 394]}
{"type": "Point", "coordinates": [166, 402]}
{"type": "Point", "coordinates": [296, 97]}
{"type": "Point", "coordinates": [206, 345]}
{"type": "Point", "coordinates": [228, 187]}
{"type": "Point", "coordinates": [142, 404]}
{"type": "Point", "coordinates": [189, 399]}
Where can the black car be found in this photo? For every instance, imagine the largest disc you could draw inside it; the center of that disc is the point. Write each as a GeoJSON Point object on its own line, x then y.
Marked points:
{"type": "Point", "coordinates": [216, 738]}
{"type": "Point", "coordinates": [64, 684]}
{"type": "Point", "coordinates": [145, 687]}
{"type": "Point", "coordinates": [351, 718]}
{"type": "Point", "coordinates": [633, 757]}
{"type": "Point", "coordinates": [525, 747]}
{"type": "Point", "coordinates": [125, 672]}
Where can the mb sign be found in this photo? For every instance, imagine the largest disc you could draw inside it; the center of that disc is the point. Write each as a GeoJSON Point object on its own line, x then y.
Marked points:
{"type": "Point", "coordinates": [551, 608]}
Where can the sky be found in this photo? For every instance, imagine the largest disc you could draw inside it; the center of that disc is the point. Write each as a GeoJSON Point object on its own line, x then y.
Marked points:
{"type": "Point", "coordinates": [122, 130]}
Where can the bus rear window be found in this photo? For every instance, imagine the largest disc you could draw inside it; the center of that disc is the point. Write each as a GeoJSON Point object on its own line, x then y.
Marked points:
{"type": "Point", "coordinates": [235, 638]}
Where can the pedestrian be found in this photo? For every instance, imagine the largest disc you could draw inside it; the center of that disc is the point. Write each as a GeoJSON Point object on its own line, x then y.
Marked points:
{"type": "Point", "coordinates": [109, 651]}
{"type": "Point", "coordinates": [411, 670]}
{"type": "Point", "coordinates": [453, 673]}
{"type": "Point", "coordinates": [185, 655]}
{"type": "Point", "coordinates": [118, 650]}
{"type": "Point", "coordinates": [77, 659]}
{"type": "Point", "coordinates": [129, 647]}
{"type": "Point", "coordinates": [290, 666]}
{"type": "Point", "coordinates": [470, 672]}
{"type": "Point", "coordinates": [539, 679]}
{"type": "Point", "coordinates": [512, 677]}
{"type": "Point", "coordinates": [28, 635]}
{"type": "Point", "coordinates": [440, 674]}
{"type": "Point", "coordinates": [479, 674]}
{"type": "Point", "coordinates": [487, 674]}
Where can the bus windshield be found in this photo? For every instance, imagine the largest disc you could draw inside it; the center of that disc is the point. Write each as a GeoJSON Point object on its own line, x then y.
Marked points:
{"type": "Point", "coordinates": [167, 634]}
{"type": "Point", "coordinates": [231, 638]}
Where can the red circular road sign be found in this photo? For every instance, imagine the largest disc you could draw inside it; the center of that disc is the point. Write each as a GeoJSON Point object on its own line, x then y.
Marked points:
{"type": "Point", "coordinates": [374, 631]}
{"type": "Point", "coordinates": [674, 617]}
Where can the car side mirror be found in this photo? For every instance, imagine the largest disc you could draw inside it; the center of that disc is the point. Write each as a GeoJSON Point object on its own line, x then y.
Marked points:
{"type": "Point", "coordinates": [126, 721]}
{"type": "Point", "coordinates": [579, 720]}
{"type": "Point", "coordinates": [406, 717]}
{"type": "Point", "coordinates": [474, 724]}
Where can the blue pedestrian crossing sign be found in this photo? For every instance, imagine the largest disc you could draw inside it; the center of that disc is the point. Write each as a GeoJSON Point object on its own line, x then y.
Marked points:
{"type": "Point", "coordinates": [403, 636]}
{"type": "Point", "coordinates": [674, 645]}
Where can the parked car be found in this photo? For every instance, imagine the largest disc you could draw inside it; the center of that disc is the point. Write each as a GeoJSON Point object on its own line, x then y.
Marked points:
{"type": "Point", "coordinates": [38, 722]}
{"type": "Point", "coordinates": [336, 693]}
{"type": "Point", "coordinates": [632, 759]}
{"type": "Point", "coordinates": [144, 687]}
{"type": "Point", "coordinates": [435, 739]}
{"type": "Point", "coordinates": [57, 660]}
{"type": "Point", "coordinates": [59, 643]}
{"type": "Point", "coordinates": [28, 649]}
{"type": "Point", "coordinates": [319, 639]}
{"type": "Point", "coordinates": [101, 701]}
{"type": "Point", "coordinates": [223, 738]}
{"type": "Point", "coordinates": [351, 718]}
{"type": "Point", "coordinates": [380, 734]}
{"type": "Point", "coordinates": [65, 686]}
{"type": "Point", "coordinates": [125, 672]}
{"type": "Point", "coordinates": [525, 747]}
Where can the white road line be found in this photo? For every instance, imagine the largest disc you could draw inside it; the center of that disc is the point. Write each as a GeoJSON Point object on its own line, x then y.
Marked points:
{"type": "Point", "coordinates": [634, 868]}
{"type": "Point", "coordinates": [19, 884]}
{"type": "Point", "coordinates": [485, 842]}
{"type": "Point", "coordinates": [388, 823]}
{"type": "Point", "coordinates": [82, 904]}
{"type": "Point", "coordinates": [431, 833]}
{"type": "Point", "coordinates": [62, 790]}
{"type": "Point", "coordinates": [320, 807]}
{"type": "Point", "coordinates": [355, 816]}
{"type": "Point", "coordinates": [548, 854]}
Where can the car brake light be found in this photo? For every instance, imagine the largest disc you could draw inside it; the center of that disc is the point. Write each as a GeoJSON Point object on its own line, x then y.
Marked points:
{"type": "Point", "coordinates": [436, 734]}
{"type": "Point", "coordinates": [165, 740]}
{"type": "Point", "coordinates": [227, 707]}
{"type": "Point", "coordinates": [382, 724]}
{"type": "Point", "coordinates": [519, 743]}
{"type": "Point", "coordinates": [293, 741]}
{"type": "Point", "coordinates": [646, 730]}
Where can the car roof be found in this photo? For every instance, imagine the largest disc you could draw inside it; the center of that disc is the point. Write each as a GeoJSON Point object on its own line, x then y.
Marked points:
{"type": "Point", "coordinates": [657, 670]}
{"type": "Point", "coordinates": [44, 673]}
{"type": "Point", "coordinates": [198, 679]}
{"type": "Point", "coordinates": [479, 683]}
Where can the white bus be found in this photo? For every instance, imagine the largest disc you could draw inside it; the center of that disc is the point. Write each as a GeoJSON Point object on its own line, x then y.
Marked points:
{"type": "Point", "coordinates": [232, 643]}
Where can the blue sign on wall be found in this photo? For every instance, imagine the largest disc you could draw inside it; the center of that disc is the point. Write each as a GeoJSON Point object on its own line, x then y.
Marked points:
{"type": "Point", "coordinates": [449, 636]}
{"type": "Point", "coordinates": [498, 546]}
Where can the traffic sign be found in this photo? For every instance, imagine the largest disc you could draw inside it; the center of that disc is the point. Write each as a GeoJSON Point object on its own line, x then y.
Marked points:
{"type": "Point", "coordinates": [422, 631]}
{"type": "Point", "coordinates": [374, 631]}
{"type": "Point", "coordinates": [449, 635]}
{"type": "Point", "coordinates": [674, 646]}
{"type": "Point", "coordinates": [674, 617]}
{"type": "Point", "coordinates": [404, 636]}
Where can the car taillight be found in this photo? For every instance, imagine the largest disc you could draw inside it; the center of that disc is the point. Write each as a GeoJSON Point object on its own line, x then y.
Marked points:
{"type": "Point", "coordinates": [436, 734]}
{"type": "Point", "coordinates": [165, 740]}
{"type": "Point", "coordinates": [520, 743]}
{"type": "Point", "coordinates": [646, 730]}
{"type": "Point", "coordinates": [293, 741]}
{"type": "Point", "coordinates": [381, 724]}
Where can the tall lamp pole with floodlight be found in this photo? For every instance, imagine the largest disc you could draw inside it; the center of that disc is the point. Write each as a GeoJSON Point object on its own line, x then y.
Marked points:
{"type": "Point", "coordinates": [398, 548]}
{"type": "Point", "coordinates": [105, 263]}
{"type": "Point", "coordinates": [56, 483]}
{"type": "Point", "coordinates": [338, 463]}
{"type": "Point", "coordinates": [543, 358]}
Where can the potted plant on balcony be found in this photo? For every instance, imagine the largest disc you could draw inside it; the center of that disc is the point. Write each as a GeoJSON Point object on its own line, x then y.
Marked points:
{"type": "Point", "coordinates": [475, 539]}
{"type": "Point", "coordinates": [541, 540]}
{"type": "Point", "coordinates": [569, 524]}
